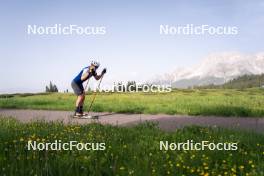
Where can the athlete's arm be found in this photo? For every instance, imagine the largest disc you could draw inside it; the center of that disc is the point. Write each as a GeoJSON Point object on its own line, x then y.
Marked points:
{"type": "Point", "coordinates": [97, 77]}
{"type": "Point", "coordinates": [84, 76]}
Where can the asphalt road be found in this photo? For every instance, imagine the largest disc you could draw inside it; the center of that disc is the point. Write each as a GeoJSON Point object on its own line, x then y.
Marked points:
{"type": "Point", "coordinates": [165, 122]}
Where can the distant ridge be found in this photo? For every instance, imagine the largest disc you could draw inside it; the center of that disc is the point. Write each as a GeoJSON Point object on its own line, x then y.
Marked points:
{"type": "Point", "coordinates": [215, 69]}
{"type": "Point", "coordinates": [241, 82]}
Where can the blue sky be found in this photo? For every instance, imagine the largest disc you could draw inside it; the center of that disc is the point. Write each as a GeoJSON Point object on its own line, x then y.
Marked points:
{"type": "Point", "coordinates": [132, 48]}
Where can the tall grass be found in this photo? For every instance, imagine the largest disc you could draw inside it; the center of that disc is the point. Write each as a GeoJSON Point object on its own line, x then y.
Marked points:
{"type": "Point", "coordinates": [225, 102]}
{"type": "Point", "coordinates": [129, 151]}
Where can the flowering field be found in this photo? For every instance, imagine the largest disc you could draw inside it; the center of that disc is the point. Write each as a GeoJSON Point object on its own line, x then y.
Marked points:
{"type": "Point", "coordinates": [128, 151]}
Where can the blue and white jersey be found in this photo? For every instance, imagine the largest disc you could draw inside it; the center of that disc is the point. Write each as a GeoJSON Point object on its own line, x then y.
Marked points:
{"type": "Point", "coordinates": [78, 79]}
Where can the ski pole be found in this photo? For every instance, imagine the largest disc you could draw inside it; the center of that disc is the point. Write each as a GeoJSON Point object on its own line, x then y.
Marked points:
{"type": "Point", "coordinates": [95, 94]}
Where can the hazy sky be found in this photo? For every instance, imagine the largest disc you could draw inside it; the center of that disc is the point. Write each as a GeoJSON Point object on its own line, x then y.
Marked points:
{"type": "Point", "coordinates": [132, 48]}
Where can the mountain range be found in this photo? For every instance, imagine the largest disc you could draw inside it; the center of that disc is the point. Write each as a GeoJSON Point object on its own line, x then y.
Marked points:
{"type": "Point", "coordinates": [215, 69]}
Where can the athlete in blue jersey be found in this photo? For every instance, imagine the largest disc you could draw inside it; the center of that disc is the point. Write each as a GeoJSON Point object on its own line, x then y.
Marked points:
{"type": "Point", "coordinates": [77, 84]}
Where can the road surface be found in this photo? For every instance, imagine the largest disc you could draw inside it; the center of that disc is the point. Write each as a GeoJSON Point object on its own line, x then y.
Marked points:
{"type": "Point", "coordinates": [165, 122]}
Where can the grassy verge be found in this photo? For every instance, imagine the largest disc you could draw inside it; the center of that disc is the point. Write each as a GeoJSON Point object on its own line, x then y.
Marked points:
{"type": "Point", "coordinates": [129, 151]}
{"type": "Point", "coordinates": [218, 102]}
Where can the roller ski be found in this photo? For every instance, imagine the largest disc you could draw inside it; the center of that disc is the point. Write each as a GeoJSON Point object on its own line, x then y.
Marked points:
{"type": "Point", "coordinates": [84, 116]}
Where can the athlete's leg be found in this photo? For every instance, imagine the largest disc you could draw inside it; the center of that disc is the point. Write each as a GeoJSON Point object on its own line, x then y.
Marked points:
{"type": "Point", "coordinates": [79, 105]}
{"type": "Point", "coordinates": [79, 91]}
{"type": "Point", "coordinates": [79, 101]}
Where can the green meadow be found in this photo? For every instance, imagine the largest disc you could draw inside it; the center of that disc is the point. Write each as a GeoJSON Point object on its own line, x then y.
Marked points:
{"type": "Point", "coordinates": [129, 151]}
{"type": "Point", "coordinates": [215, 102]}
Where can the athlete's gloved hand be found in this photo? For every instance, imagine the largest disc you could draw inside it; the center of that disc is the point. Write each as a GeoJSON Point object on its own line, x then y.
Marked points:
{"type": "Point", "coordinates": [93, 71]}
{"type": "Point", "coordinates": [104, 71]}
